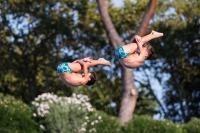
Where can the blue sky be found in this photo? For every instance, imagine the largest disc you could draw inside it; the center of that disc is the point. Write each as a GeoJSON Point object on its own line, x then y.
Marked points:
{"type": "Point", "coordinates": [117, 2]}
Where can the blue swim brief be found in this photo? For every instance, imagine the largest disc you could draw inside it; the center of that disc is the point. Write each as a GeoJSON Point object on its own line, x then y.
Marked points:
{"type": "Point", "coordinates": [63, 67]}
{"type": "Point", "coordinates": [120, 54]}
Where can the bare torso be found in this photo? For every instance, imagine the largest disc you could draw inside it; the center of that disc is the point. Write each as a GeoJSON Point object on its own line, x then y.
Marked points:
{"type": "Point", "coordinates": [72, 79]}
{"type": "Point", "coordinates": [137, 59]}
{"type": "Point", "coordinates": [132, 61]}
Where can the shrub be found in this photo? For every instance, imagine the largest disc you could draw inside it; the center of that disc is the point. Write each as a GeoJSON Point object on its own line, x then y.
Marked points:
{"type": "Point", "coordinates": [101, 122]}
{"type": "Point", "coordinates": [62, 114]}
{"type": "Point", "coordinates": [146, 124]}
{"type": "Point", "coordinates": [192, 126]}
{"type": "Point", "coordinates": [15, 116]}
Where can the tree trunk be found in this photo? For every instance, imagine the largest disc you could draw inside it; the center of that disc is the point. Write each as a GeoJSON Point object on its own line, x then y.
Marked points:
{"type": "Point", "coordinates": [129, 91]}
{"type": "Point", "coordinates": [129, 95]}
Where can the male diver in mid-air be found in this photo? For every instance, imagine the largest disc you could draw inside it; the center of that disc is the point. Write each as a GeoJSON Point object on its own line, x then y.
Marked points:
{"type": "Point", "coordinates": [133, 55]}
{"type": "Point", "coordinates": [69, 71]}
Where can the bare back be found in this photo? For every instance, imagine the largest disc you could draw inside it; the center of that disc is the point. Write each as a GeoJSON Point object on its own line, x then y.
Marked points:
{"type": "Point", "coordinates": [72, 79]}
{"type": "Point", "coordinates": [133, 61]}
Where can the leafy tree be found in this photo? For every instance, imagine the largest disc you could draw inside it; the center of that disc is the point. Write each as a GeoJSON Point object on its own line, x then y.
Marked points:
{"type": "Point", "coordinates": [178, 58]}
{"type": "Point", "coordinates": [33, 44]}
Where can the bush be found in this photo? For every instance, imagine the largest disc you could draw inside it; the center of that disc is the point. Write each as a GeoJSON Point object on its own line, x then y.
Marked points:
{"type": "Point", "coordinates": [75, 115]}
{"type": "Point", "coordinates": [146, 124]}
{"type": "Point", "coordinates": [62, 114]}
{"type": "Point", "coordinates": [15, 116]}
{"type": "Point", "coordinates": [192, 126]}
{"type": "Point", "coordinates": [101, 122]}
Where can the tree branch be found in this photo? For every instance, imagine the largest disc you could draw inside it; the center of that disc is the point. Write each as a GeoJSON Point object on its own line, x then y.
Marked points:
{"type": "Point", "coordinates": [114, 37]}
{"type": "Point", "coordinates": [146, 18]}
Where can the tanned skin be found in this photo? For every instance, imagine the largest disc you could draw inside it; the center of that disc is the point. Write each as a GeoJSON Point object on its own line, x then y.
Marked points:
{"type": "Point", "coordinates": [137, 58]}
{"type": "Point", "coordinates": [75, 78]}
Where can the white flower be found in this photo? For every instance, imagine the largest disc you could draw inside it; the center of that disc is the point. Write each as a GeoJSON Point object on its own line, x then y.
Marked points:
{"type": "Point", "coordinates": [34, 114]}
{"type": "Point", "coordinates": [83, 129]}
{"type": "Point", "coordinates": [86, 117]}
{"type": "Point", "coordinates": [73, 95]}
{"type": "Point", "coordinates": [85, 123]}
{"type": "Point", "coordinates": [79, 96]}
{"type": "Point", "coordinates": [93, 130]}
{"type": "Point", "coordinates": [99, 117]}
{"type": "Point", "coordinates": [92, 123]}
{"type": "Point", "coordinates": [42, 127]}
{"type": "Point", "coordinates": [50, 101]}
{"type": "Point", "coordinates": [37, 104]}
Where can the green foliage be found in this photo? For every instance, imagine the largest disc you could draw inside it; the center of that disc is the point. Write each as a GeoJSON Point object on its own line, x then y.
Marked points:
{"type": "Point", "coordinates": [101, 96]}
{"type": "Point", "coordinates": [192, 126]}
{"type": "Point", "coordinates": [65, 119]}
{"type": "Point", "coordinates": [100, 122]}
{"type": "Point", "coordinates": [146, 104]}
{"type": "Point", "coordinates": [178, 50]}
{"type": "Point", "coordinates": [146, 124]}
{"type": "Point", "coordinates": [15, 116]}
{"type": "Point", "coordinates": [33, 53]}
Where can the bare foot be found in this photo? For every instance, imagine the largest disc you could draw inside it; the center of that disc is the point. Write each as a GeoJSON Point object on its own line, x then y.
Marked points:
{"type": "Point", "coordinates": [157, 34]}
{"type": "Point", "coordinates": [104, 62]}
